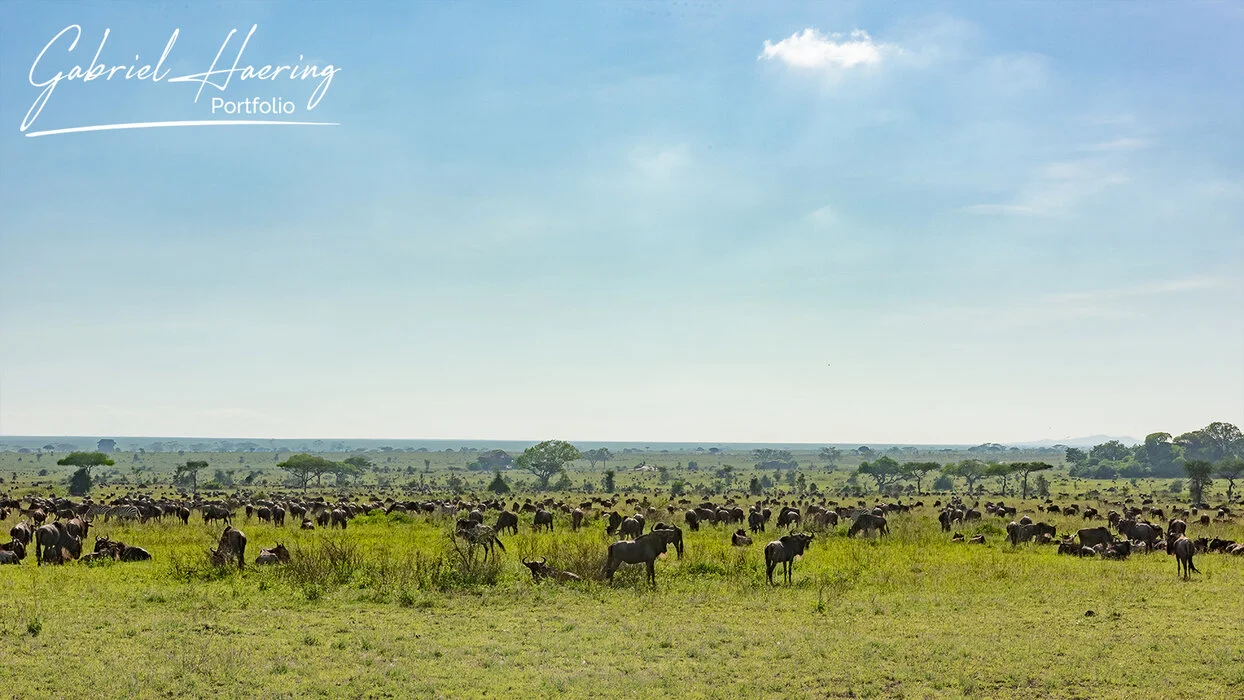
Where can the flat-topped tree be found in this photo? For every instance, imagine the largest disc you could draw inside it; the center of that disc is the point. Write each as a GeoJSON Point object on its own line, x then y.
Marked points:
{"type": "Point", "coordinates": [1026, 468]}
{"type": "Point", "coordinates": [304, 467]}
{"type": "Point", "coordinates": [548, 459]}
{"type": "Point", "coordinates": [190, 472]}
{"type": "Point", "coordinates": [917, 471]}
{"type": "Point", "coordinates": [80, 482]}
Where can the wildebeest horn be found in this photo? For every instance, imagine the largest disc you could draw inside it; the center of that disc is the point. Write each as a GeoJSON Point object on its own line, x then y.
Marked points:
{"type": "Point", "coordinates": [524, 561]}
{"type": "Point", "coordinates": [542, 560]}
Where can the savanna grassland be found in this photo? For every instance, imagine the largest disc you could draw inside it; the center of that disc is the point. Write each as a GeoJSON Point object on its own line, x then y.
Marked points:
{"type": "Point", "coordinates": [390, 607]}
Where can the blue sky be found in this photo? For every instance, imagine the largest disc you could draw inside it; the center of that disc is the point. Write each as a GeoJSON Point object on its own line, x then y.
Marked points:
{"type": "Point", "coordinates": [821, 222]}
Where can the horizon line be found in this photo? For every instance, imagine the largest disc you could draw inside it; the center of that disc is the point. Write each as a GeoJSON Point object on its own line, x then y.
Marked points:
{"type": "Point", "coordinates": [183, 123]}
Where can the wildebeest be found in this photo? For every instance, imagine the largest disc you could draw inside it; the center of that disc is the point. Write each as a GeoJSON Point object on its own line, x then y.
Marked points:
{"type": "Point", "coordinates": [307, 524]}
{"type": "Point", "coordinates": [540, 570]}
{"type": "Point", "coordinates": [232, 545]}
{"type": "Point", "coordinates": [215, 512]}
{"type": "Point", "coordinates": [22, 532]}
{"type": "Point", "coordinates": [1177, 527]}
{"type": "Point", "coordinates": [120, 551]}
{"type": "Point", "coordinates": [613, 521]}
{"type": "Point", "coordinates": [339, 517]}
{"type": "Point", "coordinates": [1018, 533]}
{"type": "Point", "coordinates": [507, 521]}
{"type": "Point", "coordinates": [978, 539]}
{"type": "Point", "coordinates": [866, 523]}
{"type": "Point", "coordinates": [672, 535]}
{"type": "Point", "coordinates": [278, 516]}
{"type": "Point", "coordinates": [756, 521]}
{"type": "Point", "coordinates": [1140, 532]}
{"type": "Point", "coordinates": [481, 535]}
{"type": "Point", "coordinates": [740, 538]}
{"type": "Point", "coordinates": [783, 551]}
{"type": "Point", "coordinates": [12, 553]}
{"type": "Point", "coordinates": [576, 519]}
{"type": "Point", "coordinates": [277, 555]}
{"type": "Point", "coordinates": [55, 539]}
{"type": "Point", "coordinates": [643, 550]}
{"type": "Point", "coordinates": [183, 514]}
{"type": "Point", "coordinates": [692, 519]}
{"type": "Point", "coordinates": [632, 527]}
{"type": "Point", "coordinates": [543, 520]}
{"type": "Point", "coordinates": [1181, 547]}
{"type": "Point", "coordinates": [789, 517]}
{"type": "Point", "coordinates": [1091, 536]}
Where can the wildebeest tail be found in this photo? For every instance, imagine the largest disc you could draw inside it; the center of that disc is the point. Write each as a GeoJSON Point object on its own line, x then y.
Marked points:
{"type": "Point", "coordinates": [498, 541]}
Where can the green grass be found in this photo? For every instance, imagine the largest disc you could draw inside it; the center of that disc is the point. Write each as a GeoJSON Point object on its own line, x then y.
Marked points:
{"type": "Point", "coordinates": [388, 608]}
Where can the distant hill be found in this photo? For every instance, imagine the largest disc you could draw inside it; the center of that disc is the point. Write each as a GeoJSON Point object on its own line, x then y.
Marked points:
{"type": "Point", "coordinates": [1087, 441]}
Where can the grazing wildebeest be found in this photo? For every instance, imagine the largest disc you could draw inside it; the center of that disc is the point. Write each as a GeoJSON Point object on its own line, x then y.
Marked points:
{"type": "Point", "coordinates": [866, 523]}
{"type": "Point", "coordinates": [632, 527]}
{"type": "Point", "coordinates": [576, 519]}
{"type": "Point", "coordinates": [9, 557]}
{"type": "Point", "coordinates": [265, 514]}
{"type": "Point", "coordinates": [1140, 532]}
{"type": "Point", "coordinates": [643, 550]}
{"type": "Point", "coordinates": [323, 517]}
{"type": "Point", "coordinates": [543, 520]}
{"type": "Point", "coordinates": [613, 522]}
{"type": "Point", "coordinates": [1092, 536]}
{"type": "Point", "coordinates": [55, 539]}
{"type": "Point", "coordinates": [277, 555]}
{"type": "Point", "coordinates": [789, 517]}
{"type": "Point", "coordinates": [540, 570]}
{"type": "Point", "coordinates": [214, 512]}
{"type": "Point", "coordinates": [482, 535]}
{"type": "Point", "coordinates": [756, 521]}
{"type": "Point", "coordinates": [22, 532]}
{"type": "Point", "coordinates": [1181, 547]}
{"type": "Point", "coordinates": [507, 521]}
{"type": "Point", "coordinates": [232, 545]}
{"type": "Point", "coordinates": [339, 517]}
{"type": "Point", "coordinates": [278, 516]}
{"type": "Point", "coordinates": [740, 538]}
{"type": "Point", "coordinates": [692, 519]}
{"type": "Point", "coordinates": [1019, 533]}
{"type": "Point", "coordinates": [1205, 522]}
{"type": "Point", "coordinates": [783, 551]}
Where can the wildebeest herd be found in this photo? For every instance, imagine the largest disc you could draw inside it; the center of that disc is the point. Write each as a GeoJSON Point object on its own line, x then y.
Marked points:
{"type": "Point", "coordinates": [58, 527]}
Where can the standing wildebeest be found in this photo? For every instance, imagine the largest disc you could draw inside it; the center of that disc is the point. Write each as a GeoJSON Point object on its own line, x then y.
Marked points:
{"type": "Point", "coordinates": [672, 535]}
{"type": "Point", "coordinates": [339, 517]}
{"type": "Point", "coordinates": [1177, 527]}
{"type": "Point", "coordinates": [214, 512]}
{"type": "Point", "coordinates": [644, 550]}
{"type": "Point", "coordinates": [756, 521]}
{"type": "Point", "coordinates": [613, 521]}
{"type": "Point", "coordinates": [53, 542]}
{"type": "Point", "coordinates": [1140, 532]}
{"type": "Point", "coordinates": [789, 517]}
{"type": "Point", "coordinates": [540, 570]}
{"type": "Point", "coordinates": [507, 521]}
{"type": "Point", "coordinates": [481, 535]}
{"type": "Point", "coordinates": [265, 514]}
{"type": "Point", "coordinates": [783, 551]}
{"type": "Point", "coordinates": [632, 527]}
{"type": "Point", "coordinates": [22, 532]}
{"type": "Point", "coordinates": [692, 519]}
{"type": "Point", "coordinates": [183, 514]}
{"type": "Point", "coordinates": [576, 519]}
{"type": "Point", "coordinates": [1182, 549]}
{"type": "Point", "coordinates": [866, 523]}
{"type": "Point", "coordinates": [543, 520]}
{"type": "Point", "coordinates": [740, 538]}
{"type": "Point", "coordinates": [232, 545]}
{"type": "Point", "coordinates": [278, 516]}
{"type": "Point", "coordinates": [1092, 536]}
{"type": "Point", "coordinates": [1018, 533]}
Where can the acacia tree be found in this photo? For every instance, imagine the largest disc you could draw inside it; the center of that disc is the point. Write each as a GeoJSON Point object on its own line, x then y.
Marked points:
{"type": "Point", "coordinates": [917, 471]}
{"type": "Point", "coordinates": [831, 455]}
{"type": "Point", "coordinates": [1231, 470]}
{"type": "Point", "coordinates": [302, 467]}
{"type": "Point", "coordinates": [548, 459]}
{"type": "Point", "coordinates": [1199, 472]}
{"type": "Point", "coordinates": [189, 471]}
{"type": "Point", "coordinates": [600, 454]}
{"type": "Point", "coordinates": [884, 471]}
{"type": "Point", "coordinates": [1026, 468]}
{"type": "Point", "coordinates": [81, 480]}
{"type": "Point", "coordinates": [970, 470]}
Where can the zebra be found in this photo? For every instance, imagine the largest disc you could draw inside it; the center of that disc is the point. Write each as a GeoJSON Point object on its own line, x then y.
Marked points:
{"type": "Point", "coordinates": [122, 513]}
{"type": "Point", "coordinates": [95, 509]}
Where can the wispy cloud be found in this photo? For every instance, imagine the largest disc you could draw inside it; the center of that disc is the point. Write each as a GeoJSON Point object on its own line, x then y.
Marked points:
{"type": "Point", "coordinates": [1097, 296]}
{"type": "Point", "coordinates": [663, 163]}
{"type": "Point", "coordinates": [1056, 189]}
{"type": "Point", "coordinates": [1125, 143]}
{"type": "Point", "coordinates": [832, 53]}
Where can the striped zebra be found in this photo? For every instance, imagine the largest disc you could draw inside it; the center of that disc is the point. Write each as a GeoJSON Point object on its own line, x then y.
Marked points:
{"type": "Point", "coordinates": [96, 509]}
{"type": "Point", "coordinates": [122, 513]}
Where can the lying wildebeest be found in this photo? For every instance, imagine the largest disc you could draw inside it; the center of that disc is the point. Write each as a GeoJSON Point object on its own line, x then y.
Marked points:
{"type": "Point", "coordinates": [1181, 547]}
{"type": "Point", "coordinates": [866, 523]}
{"type": "Point", "coordinates": [481, 535]}
{"type": "Point", "coordinates": [277, 555]}
{"type": "Point", "coordinates": [232, 545]}
{"type": "Point", "coordinates": [540, 570]}
{"type": "Point", "coordinates": [507, 521]}
{"type": "Point", "coordinates": [643, 550]}
{"type": "Point", "coordinates": [120, 551]}
{"type": "Point", "coordinates": [957, 537]}
{"type": "Point", "coordinates": [1091, 536]}
{"type": "Point", "coordinates": [307, 524]}
{"type": "Point", "coordinates": [1018, 533]}
{"type": "Point", "coordinates": [12, 553]}
{"type": "Point", "coordinates": [740, 538]}
{"type": "Point", "coordinates": [979, 539]}
{"type": "Point", "coordinates": [783, 551]}
{"type": "Point", "coordinates": [543, 520]}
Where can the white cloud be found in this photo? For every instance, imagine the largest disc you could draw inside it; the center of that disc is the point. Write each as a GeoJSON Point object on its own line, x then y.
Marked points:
{"type": "Point", "coordinates": [812, 50]}
{"type": "Point", "coordinates": [1125, 143]}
